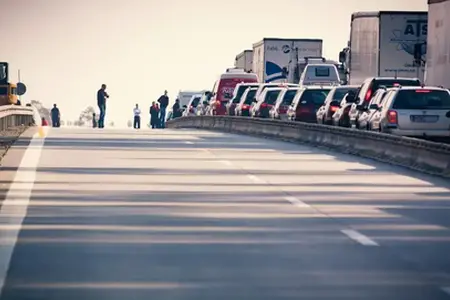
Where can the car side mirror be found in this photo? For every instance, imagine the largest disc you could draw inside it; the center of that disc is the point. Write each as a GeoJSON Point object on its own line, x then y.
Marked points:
{"type": "Point", "coordinates": [254, 100]}
{"type": "Point", "coordinates": [373, 106]}
{"type": "Point", "coordinates": [205, 102]}
{"type": "Point", "coordinates": [360, 107]}
{"type": "Point", "coordinates": [184, 106]}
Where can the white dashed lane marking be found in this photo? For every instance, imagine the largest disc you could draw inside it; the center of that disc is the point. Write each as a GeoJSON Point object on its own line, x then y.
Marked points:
{"type": "Point", "coordinates": [254, 179]}
{"type": "Point", "coordinates": [297, 202]}
{"type": "Point", "coordinates": [358, 237]}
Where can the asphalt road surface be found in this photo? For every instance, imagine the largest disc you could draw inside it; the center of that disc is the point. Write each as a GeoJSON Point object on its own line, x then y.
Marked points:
{"type": "Point", "coordinates": [195, 215]}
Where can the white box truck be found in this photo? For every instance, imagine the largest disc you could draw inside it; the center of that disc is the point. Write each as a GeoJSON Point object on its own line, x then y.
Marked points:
{"type": "Point", "coordinates": [384, 44]}
{"type": "Point", "coordinates": [272, 55]}
{"type": "Point", "coordinates": [244, 60]}
{"type": "Point", "coordinates": [438, 46]}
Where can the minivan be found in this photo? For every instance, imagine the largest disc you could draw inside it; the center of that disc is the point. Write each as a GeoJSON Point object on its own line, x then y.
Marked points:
{"type": "Point", "coordinates": [223, 89]}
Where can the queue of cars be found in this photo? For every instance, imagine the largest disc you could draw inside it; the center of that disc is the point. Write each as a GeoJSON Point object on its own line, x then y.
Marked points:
{"type": "Point", "coordinates": [401, 106]}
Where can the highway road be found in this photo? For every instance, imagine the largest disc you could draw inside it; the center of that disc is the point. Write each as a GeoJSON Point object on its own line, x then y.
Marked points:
{"type": "Point", "coordinates": [196, 215]}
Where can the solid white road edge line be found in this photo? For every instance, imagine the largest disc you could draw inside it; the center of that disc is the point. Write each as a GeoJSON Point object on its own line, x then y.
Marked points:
{"type": "Point", "coordinates": [358, 237]}
{"type": "Point", "coordinates": [15, 205]}
{"type": "Point", "coordinates": [189, 142]}
{"type": "Point", "coordinates": [297, 202]}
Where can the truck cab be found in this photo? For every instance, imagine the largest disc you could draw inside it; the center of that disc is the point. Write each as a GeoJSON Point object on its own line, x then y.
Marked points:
{"type": "Point", "coordinates": [8, 91]}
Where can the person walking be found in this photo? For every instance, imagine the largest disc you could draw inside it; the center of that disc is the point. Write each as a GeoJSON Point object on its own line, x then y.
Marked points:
{"type": "Point", "coordinates": [137, 117]}
{"type": "Point", "coordinates": [55, 116]}
{"type": "Point", "coordinates": [102, 95]}
{"type": "Point", "coordinates": [154, 115]}
{"type": "Point", "coordinates": [163, 102]}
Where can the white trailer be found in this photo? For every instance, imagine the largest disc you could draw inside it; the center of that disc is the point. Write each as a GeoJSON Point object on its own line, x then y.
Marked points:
{"type": "Point", "coordinates": [244, 60]}
{"type": "Point", "coordinates": [384, 44]}
{"type": "Point", "coordinates": [271, 56]}
{"type": "Point", "coordinates": [438, 45]}
{"type": "Point", "coordinates": [185, 96]}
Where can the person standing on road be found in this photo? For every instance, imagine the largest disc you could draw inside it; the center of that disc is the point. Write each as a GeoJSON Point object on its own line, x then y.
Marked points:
{"type": "Point", "coordinates": [176, 109]}
{"type": "Point", "coordinates": [163, 102]}
{"type": "Point", "coordinates": [137, 117]}
{"type": "Point", "coordinates": [154, 115]}
{"type": "Point", "coordinates": [101, 102]}
{"type": "Point", "coordinates": [55, 116]}
{"type": "Point", "coordinates": [94, 120]}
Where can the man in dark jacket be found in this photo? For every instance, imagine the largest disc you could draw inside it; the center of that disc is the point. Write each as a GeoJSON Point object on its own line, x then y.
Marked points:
{"type": "Point", "coordinates": [163, 103]}
{"type": "Point", "coordinates": [55, 116]}
{"type": "Point", "coordinates": [176, 109]}
{"type": "Point", "coordinates": [101, 102]}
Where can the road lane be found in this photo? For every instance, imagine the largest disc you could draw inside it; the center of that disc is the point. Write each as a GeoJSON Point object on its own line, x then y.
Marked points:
{"type": "Point", "coordinates": [202, 215]}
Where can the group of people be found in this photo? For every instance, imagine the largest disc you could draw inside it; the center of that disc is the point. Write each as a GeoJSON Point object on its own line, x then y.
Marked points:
{"type": "Point", "coordinates": [157, 113]}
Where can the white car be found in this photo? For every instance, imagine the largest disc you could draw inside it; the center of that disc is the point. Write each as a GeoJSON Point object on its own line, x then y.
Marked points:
{"type": "Point", "coordinates": [191, 107]}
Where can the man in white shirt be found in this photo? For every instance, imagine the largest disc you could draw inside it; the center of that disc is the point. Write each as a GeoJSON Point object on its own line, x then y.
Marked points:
{"type": "Point", "coordinates": [137, 117]}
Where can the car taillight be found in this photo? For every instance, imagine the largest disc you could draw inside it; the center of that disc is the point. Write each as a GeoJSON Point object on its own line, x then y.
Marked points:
{"type": "Point", "coordinates": [392, 117]}
{"type": "Point", "coordinates": [334, 108]}
{"type": "Point", "coordinates": [282, 109]}
{"type": "Point", "coordinates": [217, 103]}
{"type": "Point", "coordinates": [191, 109]}
{"type": "Point", "coordinates": [304, 110]}
{"type": "Point", "coordinates": [245, 106]}
{"type": "Point", "coordinates": [264, 105]}
{"type": "Point", "coordinates": [368, 95]}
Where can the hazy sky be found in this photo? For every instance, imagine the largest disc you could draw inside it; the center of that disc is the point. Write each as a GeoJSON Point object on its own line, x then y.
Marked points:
{"type": "Point", "coordinates": [66, 49]}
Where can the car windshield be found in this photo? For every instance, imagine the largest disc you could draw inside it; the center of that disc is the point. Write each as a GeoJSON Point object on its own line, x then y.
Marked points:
{"type": "Point", "coordinates": [422, 99]}
{"type": "Point", "coordinates": [271, 97]}
{"type": "Point", "coordinates": [240, 91]}
{"type": "Point", "coordinates": [250, 96]}
{"type": "Point", "coordinates": [315, 97]}
{"type": "Point", "coordinates": [289, 96]}
{"type": "Point", "coordinates": [339, 93]}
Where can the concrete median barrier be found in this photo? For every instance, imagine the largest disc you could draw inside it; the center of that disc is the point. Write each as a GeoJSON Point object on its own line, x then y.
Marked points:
{"type": "Point", "coordinates": [424, 156]}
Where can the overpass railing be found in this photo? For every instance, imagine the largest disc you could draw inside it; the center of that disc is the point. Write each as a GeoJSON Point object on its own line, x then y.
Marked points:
{"type": "Point", "coordinates": [421, 155]}
{"type": "Point", "coordinates": [15, 115]}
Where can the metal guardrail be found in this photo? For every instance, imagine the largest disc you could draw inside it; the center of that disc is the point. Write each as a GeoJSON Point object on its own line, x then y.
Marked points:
{"type": "Point", "coordinates": [425, 156]}
{"type": "Point", "coordinates": [15, 115]}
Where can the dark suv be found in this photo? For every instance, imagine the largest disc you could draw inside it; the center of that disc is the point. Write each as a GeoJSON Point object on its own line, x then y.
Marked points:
{"type": "Point", "coordinates": [366, 91]}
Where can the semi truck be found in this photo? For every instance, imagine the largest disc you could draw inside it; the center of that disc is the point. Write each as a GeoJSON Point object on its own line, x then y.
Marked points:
{"type": "Point", "coordinates": [386, 44]}
{"type": "Point", "coordinates": [437, 72]}
{"type": "Point", "coordinates": [244, 60]}
{"type": "Point", "coordinates": [296, 66]}
{"type": "Point", "coordinates": [271, 56]}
